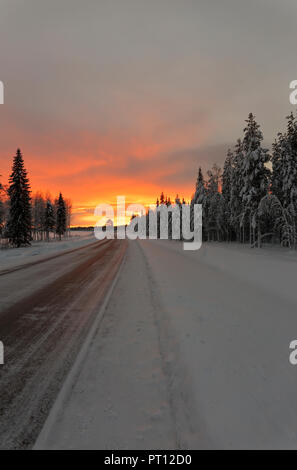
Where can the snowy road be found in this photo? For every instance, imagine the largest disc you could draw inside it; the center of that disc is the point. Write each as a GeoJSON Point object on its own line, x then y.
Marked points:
{"type": "Point", "coordinates": [192, 353]}
{"type": "Point", "coordinates": [46, 309]}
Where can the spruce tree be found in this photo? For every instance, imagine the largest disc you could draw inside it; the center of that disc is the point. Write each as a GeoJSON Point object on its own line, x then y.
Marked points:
{"type": "Point", "coordinates": [19, 223]}
{"type": "Point", "coordinates": [289, 161]}
{"type": "Point", "coordinates": [213, 198]}
{"type": "Point", "coordinates": [255, 172]}
{"type": "Point", "coordinates": [289, 174]}
{"type": "Point", "coordinates": [278, 166]}
{"type": "Point", "coordinates": [236, 187]}
{"type": "Point", "coordinates": [225, 203]}
{"type": "Point", "coordinates": [227, 176]}
{"type": "Point", "coordinates": [49, 219]}
{"type": "Point", "coordinates": [198, 198]}
{"type": "Point", "coordinates": [200, 192]}
{"type": "Point", "coordinates": [61, 217]}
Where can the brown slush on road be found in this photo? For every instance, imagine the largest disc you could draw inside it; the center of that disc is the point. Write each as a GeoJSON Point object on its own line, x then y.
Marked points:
{"type": "Point", "coordinates": [42, 334]}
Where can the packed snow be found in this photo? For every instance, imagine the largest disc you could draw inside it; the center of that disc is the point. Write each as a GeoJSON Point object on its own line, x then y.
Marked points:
{"type": "Point", "coordinates": [192, 352]}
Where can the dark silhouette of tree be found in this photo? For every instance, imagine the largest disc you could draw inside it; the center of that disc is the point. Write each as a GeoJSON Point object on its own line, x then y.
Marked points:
{"type": "Point", "coordinates": [19, 222]}
{"type": "Point", "coordinates": [61, 217]}
{"type": "Point", "coordinates": [49, 219]}
{"type": "Point", "coordinates": [2, 211]}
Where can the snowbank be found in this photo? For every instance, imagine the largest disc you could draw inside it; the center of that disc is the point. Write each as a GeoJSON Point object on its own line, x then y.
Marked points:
{"type": "Point", "coordinates": [11, 257]}
{"type": "Point", "coordinates": [271, 268]}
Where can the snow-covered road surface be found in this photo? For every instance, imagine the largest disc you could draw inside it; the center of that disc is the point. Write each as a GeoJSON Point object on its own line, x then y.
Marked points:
{"type": "Point", "coordinates": [46, 310]}
{"type": "Point", "coordinates": [193, 352]}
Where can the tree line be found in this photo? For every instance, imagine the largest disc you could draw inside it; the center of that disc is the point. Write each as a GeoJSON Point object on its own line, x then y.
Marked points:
{"type": "Point", "coordinates": [254, 197]}
{"type": "Point", "coordinates": [23, 217]}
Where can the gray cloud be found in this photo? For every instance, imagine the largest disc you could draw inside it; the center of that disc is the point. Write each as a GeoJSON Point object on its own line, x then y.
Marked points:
{"type": "Point", "coordinates": [151, 71]}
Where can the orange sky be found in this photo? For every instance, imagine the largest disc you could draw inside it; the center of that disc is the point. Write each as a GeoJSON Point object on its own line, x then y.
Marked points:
{"type": "Point", "coordinates": [104, 168]}
{"type": "Point", "coordinates": [93, 167]}
{"type": "Point", "coordinates": [129, 98]}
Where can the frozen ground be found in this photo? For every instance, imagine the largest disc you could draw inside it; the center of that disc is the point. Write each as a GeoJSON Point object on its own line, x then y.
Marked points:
{"type": "Point", "coordinates": [10, 257]}
{"type": "Point", "coordinates": [192, 352]}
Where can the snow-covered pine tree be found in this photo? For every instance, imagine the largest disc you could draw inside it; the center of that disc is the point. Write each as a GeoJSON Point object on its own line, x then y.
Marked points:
{"type": "Point", "coordinates": [227, 176]}
{"type": "Point", "coordinates": [225, 204]}
{"type": "Point", "coordinates": [222, 219]}
{"type": "Point", "coordinates": [284, 180]}
{"type": "Point", "coordinates": [255, 172]}
{"type": "Point", "coordinates": [198, 198]}
{"type": "Point", "coordinates": [49, 219]}
{"type": "Point", "coordinates": [270, 217]}
{"type": "Point", "coordinates": [61, 217]}
{"type": "Point", "coordinates": [236, 187]}
{"type": "Point", "coordinates": [274, 220]}
{"type": "Point", "coordinates": [289, 172]}
{"type": "Point", "coordinates": [212, 203]}
{"type": "Point", "coordinates": [278, 163]}
{"type": "Point", "coordinates": [19, 223]}
{"type": "Point", "coordinates": [200, 180]}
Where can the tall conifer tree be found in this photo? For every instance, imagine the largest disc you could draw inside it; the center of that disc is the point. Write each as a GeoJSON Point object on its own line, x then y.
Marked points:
{"type": "Point", "coordinates": [19, 223]}
{"type": "Point", "coordinates": [49, 219]}
{"type": "Point", "coordinates": [61, 217]}
{"type": "Point", "coordinates": [255, 172]}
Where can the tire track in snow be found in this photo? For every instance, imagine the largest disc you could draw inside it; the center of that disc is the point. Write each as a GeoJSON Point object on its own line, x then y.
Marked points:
{"type": "Point", "coordinates": [190, 430]}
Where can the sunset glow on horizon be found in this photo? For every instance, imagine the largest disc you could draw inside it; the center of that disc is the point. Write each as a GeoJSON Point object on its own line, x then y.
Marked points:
{"type": "Point", "coordinates": [128, 169]}
{"type": "Point", "coordinates": [130, 98]}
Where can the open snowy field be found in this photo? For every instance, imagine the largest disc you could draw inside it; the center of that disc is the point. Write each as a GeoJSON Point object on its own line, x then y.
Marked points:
{"type": "Point", "coordinates": [10, 257]}
{"type": "Point", "coordinates": [192, 352]}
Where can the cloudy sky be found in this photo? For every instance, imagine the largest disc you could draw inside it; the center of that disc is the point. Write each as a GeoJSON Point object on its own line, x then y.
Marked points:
{"type": "Point", "coordinates": [128, 97]}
